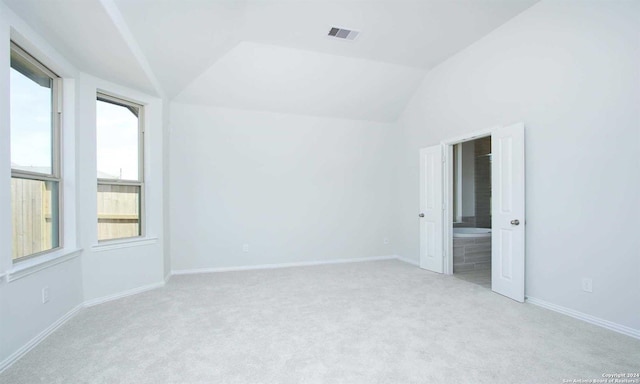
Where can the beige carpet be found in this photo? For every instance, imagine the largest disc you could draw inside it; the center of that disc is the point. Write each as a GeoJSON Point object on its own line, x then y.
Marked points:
{"type": "Point", "coordinates": [374, 322]}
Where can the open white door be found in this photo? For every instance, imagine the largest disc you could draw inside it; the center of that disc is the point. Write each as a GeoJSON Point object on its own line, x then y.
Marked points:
{"type": "Point", "coordinates": [431, 226]}
{"type": "Point", "coordinates": [507, 211]}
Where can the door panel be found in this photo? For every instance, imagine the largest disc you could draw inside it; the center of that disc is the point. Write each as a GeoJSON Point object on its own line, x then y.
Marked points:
{"type": "Point", "coordinates": [508, 211]}
{"type": "Point", "coordinates": [431, 194]}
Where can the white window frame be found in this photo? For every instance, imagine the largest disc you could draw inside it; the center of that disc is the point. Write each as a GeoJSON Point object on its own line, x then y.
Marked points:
{"type": "Point", "coordinates": [56, 157]}
{"type": "Point", "coordinates": [106, 97]}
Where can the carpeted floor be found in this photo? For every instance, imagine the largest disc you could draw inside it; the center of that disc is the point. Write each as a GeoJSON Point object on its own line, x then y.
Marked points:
{"type": "Point", "coordinates": [373, 322]}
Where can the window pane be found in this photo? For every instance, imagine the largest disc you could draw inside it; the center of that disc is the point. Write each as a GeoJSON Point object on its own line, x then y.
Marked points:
{"type": "Point", "coordinates": [34, 208]}
{"type": "Point", "coordinates": [117, 141]}
{"type": "Point", "coordinates": [118, 211]}
{"type": "Point", "coordinates": [31, 114]}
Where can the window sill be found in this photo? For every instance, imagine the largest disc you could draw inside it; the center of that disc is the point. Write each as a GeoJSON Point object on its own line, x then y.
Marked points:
{"type": "Point", "coordinates": [125, 243]}
{"type": "Point", "coordinates": [31, 266]}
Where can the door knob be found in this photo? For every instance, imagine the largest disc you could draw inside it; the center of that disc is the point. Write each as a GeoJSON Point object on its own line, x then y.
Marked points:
{"type": "Point", "coordinates": [421, 215]}
{"type": "Point", "coordinates": [515, 222]}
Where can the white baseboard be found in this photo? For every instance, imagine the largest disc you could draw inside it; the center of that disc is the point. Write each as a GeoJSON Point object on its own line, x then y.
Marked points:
{"type": "Point", "coordinates": [36, 340]}
{"type": "Point", "coordinates": [408, 261]}
{"type": "Point", "coordinates": [104, 299]}
{"type": "Point", "coordinates": [635, 333]}
{"type": "Point", "coordinates": [281, 265]}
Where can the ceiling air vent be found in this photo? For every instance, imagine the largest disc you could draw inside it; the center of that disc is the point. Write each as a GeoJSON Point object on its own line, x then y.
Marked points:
{"type": "Point", "coordinates": [343, 34]}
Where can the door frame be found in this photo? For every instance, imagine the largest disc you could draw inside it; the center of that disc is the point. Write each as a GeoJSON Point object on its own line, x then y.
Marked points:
{"type": "Point", "coordinates": [448, 191]}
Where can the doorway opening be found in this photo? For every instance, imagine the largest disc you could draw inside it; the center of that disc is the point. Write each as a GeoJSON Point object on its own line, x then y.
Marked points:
{"type": "Point", "coordinates": [471, 211]}
{"type": "Point", "coordinates": [506, 207]}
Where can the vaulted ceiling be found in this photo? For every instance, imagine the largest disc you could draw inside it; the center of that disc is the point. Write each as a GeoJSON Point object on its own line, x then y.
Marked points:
{"type": "Point", "coordinates": [271, 55]}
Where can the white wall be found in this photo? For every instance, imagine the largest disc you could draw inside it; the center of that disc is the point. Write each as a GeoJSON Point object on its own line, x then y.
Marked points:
{"type": "Point", "coordinates": [294, 188]}
{"type": "Point", "coordinates": [571, 72]}
{"type": "Point", "coordinates": [113, 267]}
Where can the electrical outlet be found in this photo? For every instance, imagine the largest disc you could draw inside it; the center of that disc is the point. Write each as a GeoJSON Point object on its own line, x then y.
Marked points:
{"type": "Point", "coordinates": [245, 247]}
{"type": "Point", "coordinates": [587, 284]}
{"type": "Point", "coordinates": [385, 241]}
{"type": "Point", "coordinates": [45, 295]}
